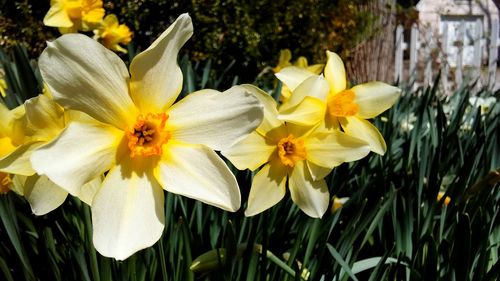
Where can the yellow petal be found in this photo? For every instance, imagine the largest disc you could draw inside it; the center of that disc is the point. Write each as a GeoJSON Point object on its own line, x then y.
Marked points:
{"type": "Point", "coordinates": [318, 172]}
{"type": "Point", "coordinates": [127, 211]}
{"type": "Point", "coordinates": [251, 152]}
{"type": "Point", "coordinates": [43, 195]}
{"type": "Point", "coordinates": [45, 118]}
{"type": "Point", "coordinates": [268, 188]}
{"type": "Point", "coordinates": [80, 154]}
{"type": "Point", "coordinates": [364, 130]}
{"type": "Point", "coordinates": [215, 119]}
{"type": "Point", "coordinates": [57, 16]}
{"type": "Point", "coordinates": [311, 196]}
{"type": "Point", "coordinates": [314, 86]}
{"type": "Point", "coordinates": [308, 112]}
{"type": "Point", "coordinates": [329, 149]}
{"type": "Point", "coordinates": [156, 79]}
{"type": "Point", "coordinates": [292, 76]}
{"type": "Point", "coordinates": [83, 75]}
{"type": "Point", "coordinates": [335, 73]}
{"type": "Point", "coordinates": [195, 171]}
{"type": "Point", "coordinates": [374, 98]}
{"type": "Point", "coordinates": [18, 161]}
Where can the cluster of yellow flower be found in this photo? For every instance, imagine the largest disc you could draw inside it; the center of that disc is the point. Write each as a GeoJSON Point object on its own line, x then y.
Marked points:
{"type": "Point", "coordinates": [71, 16]}
{"type": "Point", "coordinates": [116, 138]}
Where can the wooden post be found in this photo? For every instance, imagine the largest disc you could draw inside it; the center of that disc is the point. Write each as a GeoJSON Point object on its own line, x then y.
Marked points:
{"type": "Point", "coordinates": [459, 66]}
{"type": "Point", "coordinates": [493, 55]}
{"type": "Point", "coordinates": [413, 55]}
{"type": "Point", "coordinates": [398, 56]}
{"type": "Point", "coordinates": [444, 61]}
{"type": "Point", "coordinates": [478, 29]}
{"type": "Point", "coordinates": [428, 57]}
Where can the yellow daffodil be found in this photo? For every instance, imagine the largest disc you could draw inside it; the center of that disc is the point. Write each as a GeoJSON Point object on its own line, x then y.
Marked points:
{"type": "Point", "coordinates": [291, 153]}
{"type": "Point", "coordinates": [112, 33]}
{"type": "Point", "coordinates": [26, 128]}
{"type": "Point", "coordinates": [73, 15]}
{"type": "Point", "coordinates": [446, 201]}
{"type": "Point", "coordinates": [317, 99]}
{"type": "Point", "coordinates": [144, 140]}
{"type": "Point", "coordinates": [338, 203]}
{"type": "Point", "coordinates": [3, 87]}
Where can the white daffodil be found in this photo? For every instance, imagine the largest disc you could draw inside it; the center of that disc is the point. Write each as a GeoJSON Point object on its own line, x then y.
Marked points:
{"type": "Point", "coordinates": [145, 141]}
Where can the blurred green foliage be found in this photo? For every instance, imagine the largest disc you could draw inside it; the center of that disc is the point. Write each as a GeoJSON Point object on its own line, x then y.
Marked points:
{"type": "Point", "coordinates": [248, 33]}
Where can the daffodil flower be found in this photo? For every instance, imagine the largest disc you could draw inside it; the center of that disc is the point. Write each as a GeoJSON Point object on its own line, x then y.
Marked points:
{"type": "Point", "coordinates": [72, 15]}
{"type": "Point", "coordinates": [144, 140]}
{"type": "Point", "coordinates": [112, 34]}
{"type": "Point", "coordinates": [316, 99]}
{"type": "Point", "coordinates": [299, 155]}
{"type": "Point", "coordinates": [26, 128]}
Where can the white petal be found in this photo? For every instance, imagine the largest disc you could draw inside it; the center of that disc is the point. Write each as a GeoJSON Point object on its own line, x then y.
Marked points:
{"type": "Point", "coordinates": [292, 76]}
{"type": "Point", "coordinates": [251, 152]}
{"type": "Point", "coordinates": [329, 149]}
{"type": "Point", "coordinates": [18, 161]}
{"type": "Point", "coordinates": [374, 98]}
{"type": "Point", "coordinates": [315, 86]}
{"type": "Point", "coordinates": [365, 131]}
{"type": "Point", "coordinates": [268, 188]}
{"type": "Point", "coordinates": [83, 75]}
{"type": "Point", "coordinates": [195, 171]}
{"type": "Point", "coordinates": [127, 212]}
{"type": "Point", "coordinates": [156, 79]}
{"type": "Point", "coordinates": [335, 73]}
{"type": "Point", "coordinates": [80, 154]}
{"type": "Point", "coordinates": [215, 119]}
{"type": "Point", "coordinates": [310, 111]}
{"type": "Point", "coordinates": [43, 195]}
{"type": "Point", "coordinates": [312, 197]}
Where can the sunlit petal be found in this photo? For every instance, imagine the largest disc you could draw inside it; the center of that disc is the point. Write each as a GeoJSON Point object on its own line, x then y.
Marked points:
{"type": "Point", "coordinates": [127, 212]}
{"type": "Point", "coordinates": [251, 152]}
{"type": "Point", "coordinates": [80, 154]}
{"type": "Point", "coordinates": [268, 188]}
{"type": "Point", "coordinates": [364, 130]}
{"type": "Point", "coordinates": [308, 112]}
{"type": "Point", "coordinates": [156, 79]}
{"type": "Point", "coordinates": [83, 75]}
{"type": "Point", "coordinates": [318, 172]}
{"type": "Point", "coordinates": [195, 171]}
{"type": "Point", "coordinates": [311, 196]}
{"type": "Point", "coordinates": [292, 76]}
{"type": "Point", "coordinates": [18, 161]}
{"type": "Point", "coordinates": [335, 73]}
{"type": "Point", "coordinates": [314, 86]}
{"type": "Point", "coordinates": [329, 149]}
{"type": "Point", "coordinates": [215, 119]}
{"type": "Point", "coordinates": [43, 195]}
{"type": "Point", "coordinates": [374, 98]}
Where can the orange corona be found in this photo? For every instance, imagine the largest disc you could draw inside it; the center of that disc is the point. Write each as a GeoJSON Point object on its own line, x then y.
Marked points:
{"type": "Point", "coordinates": [291, 150]}
{"type": "Point", "coordinates": [342, 104]}
{"type": "Point", "coordinates": [147, 136]}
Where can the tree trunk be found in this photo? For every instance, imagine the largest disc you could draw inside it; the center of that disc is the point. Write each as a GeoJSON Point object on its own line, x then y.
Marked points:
{"type": "Point", "coordinates": [373, 58]}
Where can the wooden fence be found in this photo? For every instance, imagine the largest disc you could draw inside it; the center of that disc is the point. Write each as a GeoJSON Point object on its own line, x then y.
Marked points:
{"type": "Point", "coordinates": [427, 54]}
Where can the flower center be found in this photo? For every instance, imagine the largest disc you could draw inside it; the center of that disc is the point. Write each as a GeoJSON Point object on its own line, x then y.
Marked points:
{"type": "Point", "coordinates": [147, 136]}
{"type": "Point", "coordinates": [342, 104]}
{"type": "Point", "coordinates": [291, 150]}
